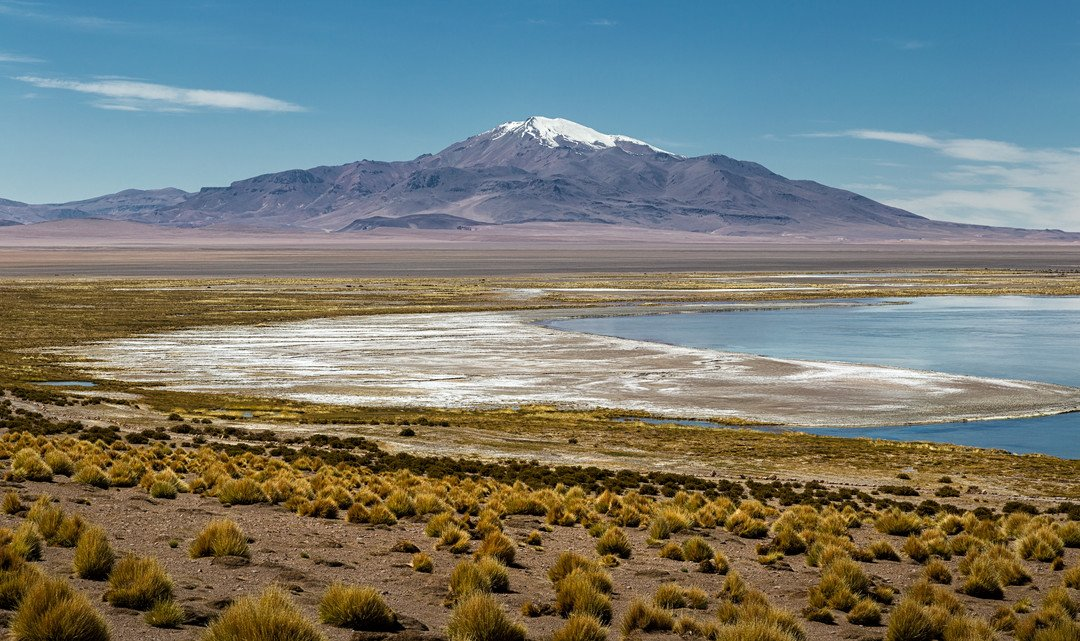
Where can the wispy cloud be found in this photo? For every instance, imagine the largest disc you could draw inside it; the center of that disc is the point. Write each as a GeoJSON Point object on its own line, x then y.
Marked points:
{"type": "Point", "coordinates": [906, 44]}
{"type": "Point", "coordinates": [18, 59]}
{"type": "Point", "coordinates": [130, 95]}
{"type": "Point", "coordinates": [964, 148]}
{"type": "Point", "coordinates": [602, 22]}
{"type": "Point", "coordinates": [996, 182]}
{"type": "Point", "coordinates": [869, 187]}
{"type": "Point", "coordinates": [913, 45]}
{"type": "Point", "coordinates": [38, 13]}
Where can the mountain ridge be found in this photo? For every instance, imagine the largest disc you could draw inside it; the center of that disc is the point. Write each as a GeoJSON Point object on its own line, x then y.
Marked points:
{"type": "Point", "coordinates": [531, 171]}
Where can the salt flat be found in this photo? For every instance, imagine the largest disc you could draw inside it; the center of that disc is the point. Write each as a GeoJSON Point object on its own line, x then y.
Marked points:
{"type": "Point", "coordinates": [505, 359]}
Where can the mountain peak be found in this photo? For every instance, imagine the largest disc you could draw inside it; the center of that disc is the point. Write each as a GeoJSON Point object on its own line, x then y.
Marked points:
{"type": "Point", "coordinates": [560, 132]}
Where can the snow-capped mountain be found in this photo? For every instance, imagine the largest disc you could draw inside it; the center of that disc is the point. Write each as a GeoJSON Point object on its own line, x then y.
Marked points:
{"type": "Point", "coordinates": [559, 132]}
{"type": "Point", "coordinates": [534, 170]}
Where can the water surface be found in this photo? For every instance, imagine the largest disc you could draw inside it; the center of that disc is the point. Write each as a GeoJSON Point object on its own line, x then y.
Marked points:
{"type": "Point", "coordinates": [1019, 337]}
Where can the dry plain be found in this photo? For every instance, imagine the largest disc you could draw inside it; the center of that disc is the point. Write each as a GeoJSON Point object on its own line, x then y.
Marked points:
{"type": "Point", "coordinates": [788, 512]}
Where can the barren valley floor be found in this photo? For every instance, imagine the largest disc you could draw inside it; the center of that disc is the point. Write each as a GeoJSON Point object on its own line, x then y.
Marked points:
{"type": "Point", "coordinates": [778, 532]}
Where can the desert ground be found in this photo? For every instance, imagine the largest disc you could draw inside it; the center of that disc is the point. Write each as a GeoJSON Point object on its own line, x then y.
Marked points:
{"type": "Point", "coordinates": [114, 249]}
{"type": "Point", "coordinates": [782, 535]}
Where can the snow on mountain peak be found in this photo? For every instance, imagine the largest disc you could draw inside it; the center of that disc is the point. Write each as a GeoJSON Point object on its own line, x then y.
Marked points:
{"type": "Point", "coordinates": [559, 132]}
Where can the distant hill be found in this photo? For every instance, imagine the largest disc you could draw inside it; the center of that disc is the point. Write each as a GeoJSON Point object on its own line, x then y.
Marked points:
{"type": "Point", "coordinates": [536, 170]}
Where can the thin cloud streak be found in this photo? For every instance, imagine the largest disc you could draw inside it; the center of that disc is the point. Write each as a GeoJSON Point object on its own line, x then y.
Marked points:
{"type": "Point", "coordinates": [998, 183]}
{"type": "Point", "coordinates": [130, 95]}
{"type": "Point", "coordinates": [18, 59]}
{"type": "Point", "coordinates": [29, 11]}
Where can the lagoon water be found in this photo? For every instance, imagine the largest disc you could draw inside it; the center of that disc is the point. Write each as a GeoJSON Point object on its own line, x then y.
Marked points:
{"type": "Point", "coordinates": [1019, 337]}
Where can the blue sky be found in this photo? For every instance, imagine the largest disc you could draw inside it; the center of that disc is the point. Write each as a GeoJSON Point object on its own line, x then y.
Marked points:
{"type": "Point", "coordinates": [958, 110]}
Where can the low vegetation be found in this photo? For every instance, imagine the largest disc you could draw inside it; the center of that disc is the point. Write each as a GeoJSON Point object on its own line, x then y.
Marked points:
{"type": "Point", "coordinates": [138, 583]}
{"type": "Point", "coordinates": [478, 617]}
{"type": "Point", "coordinates": [52, 611]}
{"type": "Point", "coordinates": [220, 538]}
{"type": "Point", "coordinates": [272, 616]}
{"type": "Point", "coordinates": [355, 608]}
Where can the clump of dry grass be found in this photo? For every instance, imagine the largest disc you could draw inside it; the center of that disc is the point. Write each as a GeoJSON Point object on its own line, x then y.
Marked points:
{"type": "Point", "coordinates": [138, 583]}
{"type": "Point", "coordinates": [866, 612]}
{"type": "Point", "coordinates": [614, 541]}
{"type": "Point", "coordinates": [882, 550]}
{"type": "Point", "coordinates": [647, 617]}
{"type": "Point", "coordinates": [454, 539]}
{"type": "Point", "coordinates": [52, 611]}
{"type": "Point", "coordinates": [843, 583]}
{"type": "Point", "coordinates": [27, 465]}
{"type": "Point", "coordinates": [671, 596]}
{"type": "Point", "coordinates": [422, 562]}
{"type": "Point", "coordinates": [16, 578]}
{"type": "Point", "coordinates": [937, 571]}
{"type": "Point", "coordinates": [484, 576]}
{"type": "Point", "coordinates": [667, 521]}
{"type": "Point", "coordinates": [1055, 620]}
{"type": "Point", "coordinates": [243, 491]}
{"type": "Point", "coordinates": [584, 592]}
{"type": "Point", "coordinates": [222, 537]}
{"type": "Point", "coordinates": [898, 523]}
{"type": "Point", "coordinates": [989, 571]}
{"type": "Point", "coordinates": [271, 617]}
{"type": "Point", "coordinates": [1071, 577]}
{"type": "Point", "coordinates": [751, 616]}
{"type": "Point", "coordinates": [787, 541]}
{"type": "Point", "coordinates": [406, 546]}
{"type": "Point", "coordinates": [1041, 544]}
{"type": "Point", "coordinates": [59, 462]}
{"type": "Point", "coordinates": [12, 504]}
{"type": "Point", "coordinates": [581, 627]}
{"type": "Point", "coordinates": [165, 614]}
{"type": "Point", "coordinates": [163, 490]}
{"type": "Point", "coordinates": [92, 475]}
{"type": "Point", "coordinates": [478, 617]}
{"type": "Point", "coordinates": [910, 621]}
{"type": "Point", "coordinates": [27, 541]}
{"type": "Point", "coordinates": [672, 550]}
{"type": "Point", "coordinates": [355, 608]}
{"type": "Point", "coordinates": [1070, 534]}
{"type": "Point", "coordinates": [94, 556]}
{"type": "Point", "coordinates": [966, 628]}
{"type": "Point", "coordinates": [55, 527]}
{"type": "Point", "coordinates": [697, 550]}
{"type": "Point", "coordinates": [126, 472]}
{"type": "Point", "coordinates": [498, 546]}
{"type": "Point", "coordinates": [566, 563]}
{"type": "Point", "coordinates": [743, 523]}
{"type": "Point", "coordinates": [718, 564]}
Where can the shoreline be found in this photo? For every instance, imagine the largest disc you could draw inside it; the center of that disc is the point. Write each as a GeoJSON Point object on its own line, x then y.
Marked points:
{"type": "Point", "coordinates": [414, 366]}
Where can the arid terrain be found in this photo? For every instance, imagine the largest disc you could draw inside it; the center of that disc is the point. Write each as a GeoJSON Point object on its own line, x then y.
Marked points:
{"type": "Point", "coordinates": [782, 535]}
{"type": "Point", "coordinates": [112, 249]}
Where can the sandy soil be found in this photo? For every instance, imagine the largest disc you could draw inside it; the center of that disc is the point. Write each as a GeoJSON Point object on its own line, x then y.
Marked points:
{"type": "Point", "coordinates": [103, 248]}
{"type": "Point", "coordinates": [505, 359]}
{"type": "Point", "coordinates": [305, 555]}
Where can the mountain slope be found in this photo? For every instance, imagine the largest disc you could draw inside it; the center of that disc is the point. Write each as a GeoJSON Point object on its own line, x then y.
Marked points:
{"type": "Point", "coordinates": [539, 169]}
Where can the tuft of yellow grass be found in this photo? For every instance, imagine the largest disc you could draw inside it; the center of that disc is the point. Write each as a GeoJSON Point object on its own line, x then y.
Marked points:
{"type": "Point", "coordinates": [138, 583]}
{"type": "Point", "coordinates": [478, 617]}
{"type": "Point", "coordinates": [94, 557]}
{"type": "Point", "coordinates": [221, 537]}
{"type": "Point", "coordinates": [271, 617]}
{"type": "Point", "coordinates": [355, 608]}
{"type": "Point", "coordinates": [53, 611]}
